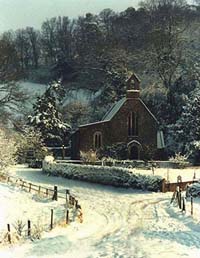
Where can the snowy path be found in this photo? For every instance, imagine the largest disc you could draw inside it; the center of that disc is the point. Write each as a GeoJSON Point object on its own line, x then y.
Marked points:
{"type": "Point", "coordinates": [118, 223]}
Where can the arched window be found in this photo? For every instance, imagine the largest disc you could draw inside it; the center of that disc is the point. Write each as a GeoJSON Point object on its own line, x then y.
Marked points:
{"type": "Point", "coordinates": [97, 140]}
{"type": "Point", "coordinates": [132, 124]}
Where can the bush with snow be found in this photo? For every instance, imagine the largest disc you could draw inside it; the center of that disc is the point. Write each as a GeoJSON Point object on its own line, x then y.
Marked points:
{"type": "Point", "coordinates": [115, 176]}
{"type": "Point", "coordinates": [193, 190]}
{"type": "Point", "coordinates": [7, 150]}
{"type": "Point", "coordinates": [180, 160]}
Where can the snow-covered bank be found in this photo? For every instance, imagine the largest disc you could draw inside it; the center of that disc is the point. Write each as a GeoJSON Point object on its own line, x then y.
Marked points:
{"type": "Point", "coordinates": [117, 223]}
{"type": "Point", "coordinates": [114, 176]}
{"type": "Point", "coordinates": [17, 207]}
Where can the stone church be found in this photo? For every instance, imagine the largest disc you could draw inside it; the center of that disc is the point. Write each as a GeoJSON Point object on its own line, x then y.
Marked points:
{"type": "Point", "coordinates": [128, 121]}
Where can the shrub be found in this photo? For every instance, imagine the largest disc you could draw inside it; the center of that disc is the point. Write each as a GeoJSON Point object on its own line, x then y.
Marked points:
{"type": "Point", "coordinates": [180, 160]}
{"type": "Point", "coordinates": [117, 151]}
{"type": "Point", "coordinates": [7, 149]}
{"type": "Point", "coordinates": [89, 157]}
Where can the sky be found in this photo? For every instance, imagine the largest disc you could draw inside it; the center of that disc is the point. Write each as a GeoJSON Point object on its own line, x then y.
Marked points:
{"type": "Point", "coordinates": [15, 14]}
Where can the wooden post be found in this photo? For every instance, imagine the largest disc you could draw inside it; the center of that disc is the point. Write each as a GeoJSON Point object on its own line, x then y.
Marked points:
{"type": "Point", "coordinates": [8, 179]}
{"type": "Point", "coordinates": [67, 192]}
{"type": "Point", "coordinates": [47, 192]}
{"type": "Point", "coordinates": [194, 176]}
{"type": "Point", "coordinates": [163, 186]}
{"type": "Point", "coordinates": [191, 205]}
{"type": "Point", "coordinates": [183, 206]}
{"type": "Point", "coordinates": [67, 216]}
{"type": "Point", "coordinates": [29, 228]}
{"type": "Point", "coordinates": [9, 235]}
{"type": "Point", "coordinates": [39, 189]}
{"type": "Point", "coordinates": [73, 201]}
{"type": "Point", "coordinates": [55, 194]}
{"type": "Point", "coordinates": [180, 199]}
{"type": "Point", "coordinates": [51, 226]}
{"type": "Point", "coordinates": [70, 199]}
{"type": "Point", "coordinates": [30, 187]}
{"type": "Point", "coordinates": [76, 204]}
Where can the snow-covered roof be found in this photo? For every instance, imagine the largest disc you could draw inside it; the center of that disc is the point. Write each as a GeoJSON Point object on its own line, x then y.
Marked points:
{"type": "Point", "coordinates": [99, 122]}
{"type": "Point", "coordinates": [114, 109]}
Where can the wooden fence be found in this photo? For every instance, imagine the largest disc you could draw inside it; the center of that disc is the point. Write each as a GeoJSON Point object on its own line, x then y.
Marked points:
{"type": "Point", "coordinates": [180, 200]}
{"type": "Point", "coordinates": [71, 210]}
{"type": "Point", "coordinates": [171, 187]}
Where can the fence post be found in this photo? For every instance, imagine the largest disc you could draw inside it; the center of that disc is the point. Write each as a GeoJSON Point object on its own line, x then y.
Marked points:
{"type": "Point", "coordinates": [67, 192]}
{"type": "Point", "coordinates": [8, 179]}
{"type": "Point", "coordinates": [76, 204]}
{"type": "Point", "coordinates": [29, 228]}
{"type": "Point", "coordinates": [9, 235]}
{"type": "Point", "coordinates": [55, 194]}
{"type": "Point", "coordinates": [39, 189]}
{"type": "Point", "coordinates": [30, 187]}
{"type": "Point", "coordinates": [163, 185]}
{"type": "Point", "coordinates": [183, 206]}
{"type": "Point", "coordinates": [191, 205]}
{"type": "Point", "coordinates": [67, 216]}
{"type": "Point", "coordinates": [22, 184]}
{"type": "Point", "coordinates": [47, 192]}
{"type": "Point", "coordinates": [180, 199]}
{"type": "Point", "coordinates": [51, 226]}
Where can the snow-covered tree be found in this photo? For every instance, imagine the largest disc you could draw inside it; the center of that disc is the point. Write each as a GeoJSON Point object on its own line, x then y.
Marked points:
{"type": "Point", "coordinates": [30, 142]}
{"type": "Point", "coordinates": [47, 119]}
{"type": "Point", "coordinates": [7, 150]}
{"type": "Point", "coordinates": [184, 136]}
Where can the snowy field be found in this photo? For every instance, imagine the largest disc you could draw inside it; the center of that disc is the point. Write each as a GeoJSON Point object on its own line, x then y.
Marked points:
{"type": "Point", "coordinates": [117, 223]}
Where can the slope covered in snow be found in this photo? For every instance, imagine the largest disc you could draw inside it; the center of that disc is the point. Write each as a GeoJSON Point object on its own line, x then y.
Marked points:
{"type": "Point", "coordinates": [116, 223]}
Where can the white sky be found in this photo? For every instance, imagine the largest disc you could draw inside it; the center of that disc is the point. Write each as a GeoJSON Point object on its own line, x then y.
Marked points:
{"type": "Point", "coordinates": [16, 14]}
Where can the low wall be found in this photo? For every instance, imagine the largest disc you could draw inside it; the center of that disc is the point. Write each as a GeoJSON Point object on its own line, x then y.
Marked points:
{"type": "Point", "coordinates": [114, 176]}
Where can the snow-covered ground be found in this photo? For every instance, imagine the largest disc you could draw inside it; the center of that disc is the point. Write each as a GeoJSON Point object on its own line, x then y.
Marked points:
{"type": "Point", "coordinates": [73, 95]}
{"type": "Point", "coordinates": [117, 222]}
{"type": "Point", "coordinates": [29, 206]}
{"type": "Point", "coordinates": [170, 174]}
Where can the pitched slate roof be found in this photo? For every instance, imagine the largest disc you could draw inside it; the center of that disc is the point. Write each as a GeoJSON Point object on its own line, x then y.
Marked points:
{"type": "Point", "coordinates": [114, 109]}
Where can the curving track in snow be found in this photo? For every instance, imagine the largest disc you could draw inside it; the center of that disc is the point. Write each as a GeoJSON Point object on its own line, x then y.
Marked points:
{"type": "Point", "coordinates": [118, 223]}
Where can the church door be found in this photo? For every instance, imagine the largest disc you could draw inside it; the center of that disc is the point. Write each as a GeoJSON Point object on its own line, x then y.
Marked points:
{"type": "Point", "coordinates": [134, 152]}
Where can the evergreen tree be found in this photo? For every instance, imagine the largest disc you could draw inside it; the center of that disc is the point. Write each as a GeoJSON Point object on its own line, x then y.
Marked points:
{"type": "Point", "coordinates": [47, 119]}
{"type": "Point", "coordinates": [184, 136]}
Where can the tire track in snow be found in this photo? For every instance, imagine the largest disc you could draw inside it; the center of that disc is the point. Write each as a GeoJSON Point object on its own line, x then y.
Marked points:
{"type": "Point", "coordinates": [122, 223]}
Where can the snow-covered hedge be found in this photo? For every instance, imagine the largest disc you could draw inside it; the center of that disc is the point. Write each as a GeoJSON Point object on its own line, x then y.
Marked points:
{"type": "Point", "coordinates": [114, 176]}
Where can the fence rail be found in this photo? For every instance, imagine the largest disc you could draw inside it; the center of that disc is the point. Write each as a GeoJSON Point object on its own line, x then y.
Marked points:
{"type": "Point", "coordinates": [71, 210]}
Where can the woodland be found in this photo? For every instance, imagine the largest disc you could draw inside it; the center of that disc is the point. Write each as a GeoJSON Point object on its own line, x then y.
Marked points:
{"type": "Point", "coordinates": [159, 41]}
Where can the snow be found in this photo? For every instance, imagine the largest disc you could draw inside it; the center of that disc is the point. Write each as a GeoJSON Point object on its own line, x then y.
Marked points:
{"type": "Point", "coordinates": [170, 174]}
{"type": "Point", "coordinates": [115, 176]}
{"type": "Point", "coordinates": [116, 223]}
{"type": "Point", "coordinates": [18, 205]}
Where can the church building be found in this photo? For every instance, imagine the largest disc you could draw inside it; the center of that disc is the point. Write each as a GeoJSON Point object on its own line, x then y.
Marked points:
{"type": "Point", "coordinates": [129, 121]}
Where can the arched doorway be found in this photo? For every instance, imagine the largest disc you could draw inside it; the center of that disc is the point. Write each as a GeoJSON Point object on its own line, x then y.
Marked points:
{"type": "Point", "coordinates": [134, 150]}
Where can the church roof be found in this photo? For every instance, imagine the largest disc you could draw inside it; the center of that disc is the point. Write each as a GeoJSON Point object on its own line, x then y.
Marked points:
{"type": "Point", "coordinates": [114, 109]}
